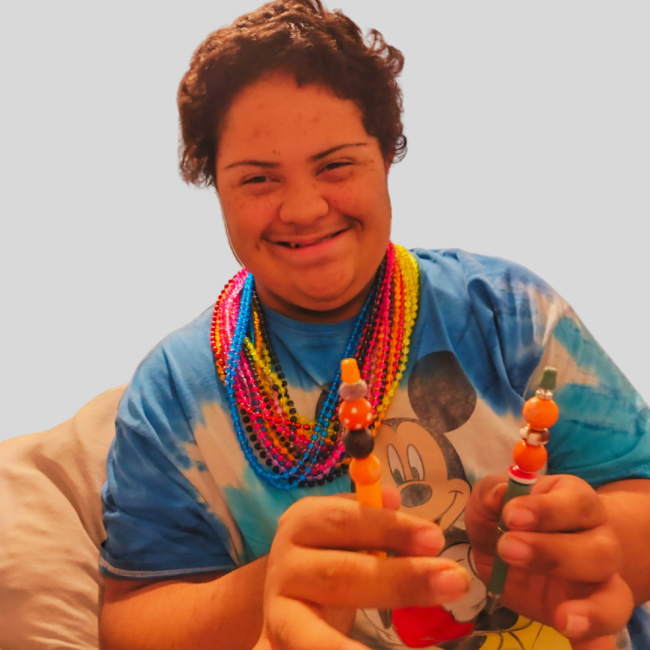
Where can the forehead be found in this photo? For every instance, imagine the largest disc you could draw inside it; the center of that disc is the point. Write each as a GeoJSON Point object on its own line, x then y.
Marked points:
{"type": "Point", "coordinates": [275, 115]}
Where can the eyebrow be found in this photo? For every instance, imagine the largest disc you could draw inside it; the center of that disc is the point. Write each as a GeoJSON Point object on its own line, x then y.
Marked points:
{"type": "Point", "coordinates": [272, 165]}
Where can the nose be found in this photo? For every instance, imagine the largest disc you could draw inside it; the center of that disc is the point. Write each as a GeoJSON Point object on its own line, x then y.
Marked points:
{"type": "Point", "coordinates": [303, 202]}
{"type": "Point", "coordinates": [415, 494]}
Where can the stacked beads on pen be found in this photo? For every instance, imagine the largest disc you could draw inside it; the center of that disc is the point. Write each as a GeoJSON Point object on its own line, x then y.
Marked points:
{"type": "Point", "coordinates": [355, 415]}
{"type": "Point", "coordinates": [540, 413]}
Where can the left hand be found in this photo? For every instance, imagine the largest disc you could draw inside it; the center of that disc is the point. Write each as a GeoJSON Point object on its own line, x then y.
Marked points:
{"type": "Point", "coordinates": [564, 557]}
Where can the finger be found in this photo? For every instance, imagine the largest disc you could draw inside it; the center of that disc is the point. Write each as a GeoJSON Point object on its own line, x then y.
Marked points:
{"type": "Point", "coordinates": [332, 522]}
{"type": "Point", "coordinates": [483, 511]}
{"type": "Point", "coordinates": [391, 497]}
{"type": "Point", "coordinates": [556, 503]}
{"type": "Point", "coordinates": [605, 611]}
{"type": "Point", "coordinates": [294, 625]}
{"type": "Point", "coordinates": [350, 579]}
{"type": "Point", "coordinates": [586, 556]}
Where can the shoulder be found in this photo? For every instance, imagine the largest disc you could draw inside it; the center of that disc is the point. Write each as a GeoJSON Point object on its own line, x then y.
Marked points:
{"type": "Point", "coordinates": [175, 378]}
{"type": "Point", "coordinates": [184, 351]}
{"type": "Point", "coordinates": [488, 286]}
{"type": "Point", "coordinates": [456, 266]}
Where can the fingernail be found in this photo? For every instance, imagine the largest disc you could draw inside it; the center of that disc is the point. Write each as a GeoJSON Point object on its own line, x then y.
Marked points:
{"type": "Point", "coordinates": [430, 540]}
{"type": "Point", "coordinates": [519, 517]}
{"type": "Point", "coordinates": [514, 551]}
{"type": "Point", "coordinates": [576, 625]}
{"type": "Point", "coordinates": [450, 583]}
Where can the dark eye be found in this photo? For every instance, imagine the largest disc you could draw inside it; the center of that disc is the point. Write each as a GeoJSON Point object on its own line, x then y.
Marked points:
{"type": "Point", "coordinates": [336, 165]}
{"type": "Point", "coordinates": [415, 463]}
{"type": "Point", "coordinates": [395, 465]}
{"type": "Point", "coordinates": [255, 179]}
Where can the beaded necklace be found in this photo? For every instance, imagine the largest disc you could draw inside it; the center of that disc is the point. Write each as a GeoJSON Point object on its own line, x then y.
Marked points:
{"type": "Point", "coordinates": [281, 446]}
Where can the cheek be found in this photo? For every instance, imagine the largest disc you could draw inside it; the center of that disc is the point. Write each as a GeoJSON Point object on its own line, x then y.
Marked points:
{"type": "Point", "coordinates": [244, 218]}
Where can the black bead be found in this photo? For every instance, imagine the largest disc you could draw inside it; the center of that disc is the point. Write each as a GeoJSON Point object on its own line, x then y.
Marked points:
{"type": "Point", "coordinates": [269, 462]}
{"type": "Point", "coordinates": [246, 419]}
{"type": "Point", "coordinates": [289, 402]}
{"type": "Point", "coordinates": [292, 411]}
{"type": "Point", "coordinates": [359, 443]}
{"type": "Point", "coordinates": [329, 478]}
{"type": "Point", "coordinates": [310, 483]}
{"type": "Point", "coordinates": [276, 470]}
{"type": "Point", "coordinates": [249, 429]}
{"type": "Point", "coordinates": [258, 446]}
{"type": "Point", "coordinates": [262, 454]}
{"type": "Point", "coordinates": [321, 481]}
{"type": "Point", "coordinates": [302, 483]}
{"type": "Point", "coordinates": [252, 437]}
{"type": "Point", "coordinates": [280, 375]}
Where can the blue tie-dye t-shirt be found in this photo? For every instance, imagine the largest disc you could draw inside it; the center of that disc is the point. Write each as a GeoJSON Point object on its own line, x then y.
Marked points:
{"type": "Point", "coordinates": [181, 498]}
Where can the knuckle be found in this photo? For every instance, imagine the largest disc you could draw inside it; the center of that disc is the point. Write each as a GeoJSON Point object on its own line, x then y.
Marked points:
{"type": "Point", "coordinates": [280, 632]}
{"type": "Point", "coordinates": [413, 584]}
{"type": "Point", "coordinates": [590, 509]}
{"type": "Point", "coordinates": [606, 552]}
{"type": "Point", "coordinates": [335, 577]}
{"type": "Point", "coordinates": [296, 512]}
{"type": "Point", "coordinates": [339, 519]}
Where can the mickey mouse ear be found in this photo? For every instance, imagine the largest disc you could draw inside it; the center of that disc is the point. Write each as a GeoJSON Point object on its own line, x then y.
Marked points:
{"type": "Point", "coordinates": [440, 392]}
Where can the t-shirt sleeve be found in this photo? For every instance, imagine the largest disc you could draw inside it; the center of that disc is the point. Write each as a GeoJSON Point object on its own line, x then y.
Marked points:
{"type": "Point", "coordinates": [603, 433]}
{"type": "Point", "coordinates": [157, 524]}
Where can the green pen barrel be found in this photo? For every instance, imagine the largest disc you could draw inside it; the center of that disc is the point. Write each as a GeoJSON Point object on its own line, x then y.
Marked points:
{"type": "Point", "coordinates": [497, 580]}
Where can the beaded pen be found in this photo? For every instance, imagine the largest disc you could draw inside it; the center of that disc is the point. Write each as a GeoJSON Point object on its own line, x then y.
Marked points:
{"type": "Point", "coordinates": [355, 414]}
{"type": "Point", "coordinates": [529, 454]}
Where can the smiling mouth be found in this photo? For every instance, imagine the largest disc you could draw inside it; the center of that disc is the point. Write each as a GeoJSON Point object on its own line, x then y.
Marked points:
{"type": "Point", "coordinates": [289, 244]}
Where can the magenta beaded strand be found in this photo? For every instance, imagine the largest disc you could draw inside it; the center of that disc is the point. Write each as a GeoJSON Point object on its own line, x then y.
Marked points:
{"type": "Point", "coordinates": [282, 446]}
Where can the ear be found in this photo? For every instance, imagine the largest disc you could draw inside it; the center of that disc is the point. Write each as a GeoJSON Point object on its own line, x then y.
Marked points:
{"type": "Point", "coordinates": [440, 392]}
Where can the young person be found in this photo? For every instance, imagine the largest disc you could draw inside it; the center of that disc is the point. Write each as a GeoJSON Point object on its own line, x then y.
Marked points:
{"type": "Point", "coordinates": [227, 507]}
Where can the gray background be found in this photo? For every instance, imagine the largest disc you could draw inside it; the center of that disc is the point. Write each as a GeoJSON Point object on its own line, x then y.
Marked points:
{"type": "Point", "coordinates": [528, 135]}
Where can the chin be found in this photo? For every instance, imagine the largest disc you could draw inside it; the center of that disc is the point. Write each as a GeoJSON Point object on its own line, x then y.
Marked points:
{"type": "Point", "coordinates": [329, 293]}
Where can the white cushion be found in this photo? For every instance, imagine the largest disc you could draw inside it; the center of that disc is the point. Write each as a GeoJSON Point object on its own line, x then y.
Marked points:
{"type": "Point", "coordinates": [51, 528]}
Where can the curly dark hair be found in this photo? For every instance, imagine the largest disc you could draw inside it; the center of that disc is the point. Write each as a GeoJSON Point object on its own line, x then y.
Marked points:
{"type": "Point", "coordinates": [303, 39]}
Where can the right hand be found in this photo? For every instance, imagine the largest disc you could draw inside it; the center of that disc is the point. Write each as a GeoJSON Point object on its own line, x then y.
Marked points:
{"type": "Point", "coordinates": [316, 577]}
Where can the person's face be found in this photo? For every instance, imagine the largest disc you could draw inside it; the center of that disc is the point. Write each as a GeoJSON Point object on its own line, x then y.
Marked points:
{"type": "Point", "coordinates": [304, 194]}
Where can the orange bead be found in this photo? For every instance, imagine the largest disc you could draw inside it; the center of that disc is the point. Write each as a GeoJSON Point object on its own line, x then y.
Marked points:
{"type": "Point", "coordinates": [355, 414]}
{"type": "Point", "coordinates": [365, 471]}
{"type": "Point", "coordinates": [350, 371]}
{"type": "Point", "coordinates": [529, 458]}
{"type": "Point", "coordinates": [540, 413]}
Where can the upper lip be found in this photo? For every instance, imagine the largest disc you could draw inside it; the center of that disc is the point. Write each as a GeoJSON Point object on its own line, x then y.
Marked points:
{"type": "Point", "coordinates": [304, 240]}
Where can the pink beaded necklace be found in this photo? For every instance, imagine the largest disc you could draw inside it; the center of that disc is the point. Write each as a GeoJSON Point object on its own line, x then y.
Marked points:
{"type": "Point", "coordinates": [282, 446]}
